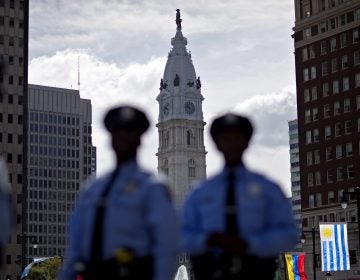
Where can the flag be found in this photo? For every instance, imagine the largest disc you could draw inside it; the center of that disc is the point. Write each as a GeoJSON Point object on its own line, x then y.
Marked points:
{"type": "Point", "coordinates": [295, 266]}
{"type": "Point", "coordinates": [334, 247]}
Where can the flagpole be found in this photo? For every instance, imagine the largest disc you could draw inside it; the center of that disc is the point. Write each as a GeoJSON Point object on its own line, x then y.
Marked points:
{"type": "Point", "coordinates": [314, 254]}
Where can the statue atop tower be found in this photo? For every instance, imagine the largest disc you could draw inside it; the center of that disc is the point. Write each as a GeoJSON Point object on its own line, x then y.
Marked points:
{"type": "Point", "coordinates": [178, 19]}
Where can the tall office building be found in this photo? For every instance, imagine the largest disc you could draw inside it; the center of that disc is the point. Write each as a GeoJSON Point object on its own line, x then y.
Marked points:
{"type": "Point", "coordinates": [60, 157]}
{"type": "Point", "coordinates": [295, 171]}
{"type": "Point", "coordinates": [14, 17]}
{"type": "Point", "coordinates": [327, 59]}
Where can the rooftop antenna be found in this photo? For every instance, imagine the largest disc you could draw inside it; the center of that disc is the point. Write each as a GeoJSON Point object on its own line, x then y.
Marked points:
{"type": "Point", "coordinates": [78, 73]}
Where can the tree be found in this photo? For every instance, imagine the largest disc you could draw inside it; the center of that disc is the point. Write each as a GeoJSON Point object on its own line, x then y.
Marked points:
{"type": "Point", "coordinates": [46, 270]}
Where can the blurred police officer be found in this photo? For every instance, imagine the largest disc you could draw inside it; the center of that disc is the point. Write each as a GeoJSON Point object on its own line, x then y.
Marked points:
{"type": "Point", "coordinates": [5, 207]}
{"type": "Point", "coordinates": [124, 225]}
{"type": "Point", "coordinates": [235, 224]}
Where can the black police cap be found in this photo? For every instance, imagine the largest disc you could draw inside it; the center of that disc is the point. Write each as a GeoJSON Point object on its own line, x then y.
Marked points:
{"type": "Point", "coordinates": [126, 117]}
{"type": "Point", "coordinates": [229, 121]}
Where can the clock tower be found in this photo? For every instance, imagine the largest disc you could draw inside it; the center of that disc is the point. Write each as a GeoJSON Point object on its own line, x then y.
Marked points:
{"type": "Point", "coordinates": [181, 153]}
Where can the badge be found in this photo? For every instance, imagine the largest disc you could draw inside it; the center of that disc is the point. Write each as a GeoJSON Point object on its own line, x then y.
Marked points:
{"type": "Point", "coordinates": [130, 187]}
{"type": "Point", "coordinates": [254, 189]}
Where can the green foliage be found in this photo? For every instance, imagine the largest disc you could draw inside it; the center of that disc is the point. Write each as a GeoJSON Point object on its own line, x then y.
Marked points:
{"type": "Point", "coordinates": [46, 270]}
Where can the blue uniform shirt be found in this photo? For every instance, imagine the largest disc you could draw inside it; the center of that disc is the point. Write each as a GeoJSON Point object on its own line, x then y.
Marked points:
{"type": "Point", "coordinates": [264, 216]}
{"type": "Point", "coordinates": [138, 215]}
{"type": "Point", "coordinates": [5, 204]}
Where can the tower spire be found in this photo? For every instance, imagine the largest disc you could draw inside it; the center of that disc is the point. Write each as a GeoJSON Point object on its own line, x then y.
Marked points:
{"type": "Point", "coordinates": [178, 19]}
{"type": "Point", "coordinates": [78, 73]}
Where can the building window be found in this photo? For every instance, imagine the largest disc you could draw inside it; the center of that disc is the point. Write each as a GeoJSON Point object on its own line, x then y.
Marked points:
{"type": "Point", "coordinates": [346, 105]}
{"type": "Point", "coordinates": [336, 108]}
{"type": "Point", "coordinates": [327, 132]}
{"type": "Point", "coordinates": [337, 129]}
{"type": "Point", "coordinates": [307, 116]}
{"type": "Point", "coordinates": [307, 33]}
{"type": "Point", "coordinates": [348, 127]}
{"type": "Point", "coordinates": [316, 156]}
{"type": "Point", "coordinates": [312, 51]}
{"type": "Point", "coordinates": [325, 87]}
{"type": "Point", "coordinates": [317, 178]}
{"type": "Point", "coordinates": [333, 22]}
{"type": "Point", "coordinates": [349, 149]}
{"type": "Point", "coordinates": [342, 18]}
{"type": "Point", "coordinates": [357, 80]}
{"type": "Point", "coordinates": [306, 95]}
{"type": "Point", "coordinates": [343, 40]}
{"type": "Point", "coordinates": [350, 171]}
{"type": "Point", "coordinates": [352, 256]}
{"type": "Point", "coordinates": [309, 158]}
{"type": "Point", "coordinates": [331, 197]}
{"type": "Point", "coordinates": [190, 139]}
{"type": "Point", "coordinates": [315, 114]}
{"type": "Point", "coordinates": [308, 137]}
{"type": "Point", "coordinates": [311, 201]}
{"type": "Point", "coordinates": [326, 111]}
{"type": "Point", "coordinates": [323, 47]}
{"type": "Point", "coordinates": [334, 65]}
{"type": "Point", "coordinates": [313, 72]}
{"type": "Point", "coordinates": [329, 176]}
{"type": "Point", "coordinates": [166, 167]}
{"type": "Point", "coordinates": [305, 54]}
{"type": "Point", "coordinates": [356, 57]}
{"type": "Point", "coordinates": [318, 199]}
{"type": "Point", "coordinates": [314, 93]}
{"type": "Point", "coordinates": [335, 87]}
{"type": "Point", "coordinates": [316, 135]}
{"type": "Point", "coordinates": [344, 62]}
{"type": "Point", "coordinates": [338, 151]}
{"type": "Point", "coordinates": [310, 179]}
{"type": "Point", "coordinates": [346, 84]}
{"type": "Point", "coordinates": [324, 68]}
{"type": "Point", "coordinates": [355, 36]}
{"type": "Point", "coordinates": [333, 44]}
{"type": "Point", "coordinates": [191, 165]}
{"type": "Point", "coordinates": [306, 74]}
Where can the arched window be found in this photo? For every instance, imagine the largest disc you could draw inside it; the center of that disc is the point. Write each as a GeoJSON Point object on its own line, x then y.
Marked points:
{"type": "Point", "coordinates": [192, 168]}
{"type": "Point", "coordinates": [190, 138]}
{"type": "Point", "coordinates": [166, 138]}
{"type": "Point", "coordinates": [166, 167]}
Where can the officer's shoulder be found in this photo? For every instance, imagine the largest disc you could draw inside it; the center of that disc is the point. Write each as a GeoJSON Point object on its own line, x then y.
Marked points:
{"type": "Point", "coordinates": [268, 184]}
{"type": "Point", "coordinates": [92, 183]}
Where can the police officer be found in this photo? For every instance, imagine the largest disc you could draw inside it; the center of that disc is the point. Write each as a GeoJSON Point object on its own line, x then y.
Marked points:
{"type": "Point", "coordinates": [124, 225]}
{"type": "Point", "coordinates": [5, 208]}
{"type": "Point", "coordinates": [235, 224]}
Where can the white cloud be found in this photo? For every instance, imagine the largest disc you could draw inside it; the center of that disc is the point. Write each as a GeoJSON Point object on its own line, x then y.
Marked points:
{"type": "Point", "coordinates": [241, 49]}
{"type": "Point", "coordinates": [106, 85]}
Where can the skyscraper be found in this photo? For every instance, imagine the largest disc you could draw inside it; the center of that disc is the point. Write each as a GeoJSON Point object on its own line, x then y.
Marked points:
{"type": "Point", "coordinates": [181, 154]}
{"type": "Point", "coordinates": [327, 59]}
{"type": "Point", "coordinates": [14, 19]}
{"type": "Point", "coordinates": [60, 157]}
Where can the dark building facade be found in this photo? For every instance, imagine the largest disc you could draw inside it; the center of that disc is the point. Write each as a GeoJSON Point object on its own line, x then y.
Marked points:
{"type": "Point", "coordinates": [13, 85]}
{"type": "Point", "coordinates": [327, 59]}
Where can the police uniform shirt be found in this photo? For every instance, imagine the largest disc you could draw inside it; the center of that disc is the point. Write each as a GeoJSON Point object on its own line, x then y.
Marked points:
{"type": "Point", "coordinates": [139, 215]}
{"type": "Point", "coordinates": [264, 219]}
{"type": "Point", "coordinates": [5, 204]}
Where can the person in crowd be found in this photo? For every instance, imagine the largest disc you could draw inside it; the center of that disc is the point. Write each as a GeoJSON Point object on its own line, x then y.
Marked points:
{"type": "Point", "coordinates": [124, 225]}
{"type": "Point", "coordinates": [235, 224]}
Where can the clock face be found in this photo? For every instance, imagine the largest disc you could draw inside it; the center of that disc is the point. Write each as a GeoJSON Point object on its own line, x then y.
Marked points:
{"type": "Point", "coordinates": [166, 109]}
{"type": "Point", "coordinates": [189, 107]}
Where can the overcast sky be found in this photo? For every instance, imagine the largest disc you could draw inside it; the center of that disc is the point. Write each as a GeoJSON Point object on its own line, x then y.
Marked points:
{"type": "Point", "coordinates": [242, 50]}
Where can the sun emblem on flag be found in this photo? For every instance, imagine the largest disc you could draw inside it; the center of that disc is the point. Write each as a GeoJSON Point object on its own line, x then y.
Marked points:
{"type": "Point", "coordinates": [327, 232]}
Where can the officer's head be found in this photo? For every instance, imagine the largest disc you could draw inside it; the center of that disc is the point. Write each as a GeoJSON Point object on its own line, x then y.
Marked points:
{"type": "Point", "coordinates": [231, 134]}
{"type": "Point", "coordinates": [126, 124]}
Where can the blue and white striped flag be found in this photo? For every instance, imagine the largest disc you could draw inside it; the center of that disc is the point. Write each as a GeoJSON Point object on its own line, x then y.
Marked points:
{"type": "Point", "coordinates": [334, 247]}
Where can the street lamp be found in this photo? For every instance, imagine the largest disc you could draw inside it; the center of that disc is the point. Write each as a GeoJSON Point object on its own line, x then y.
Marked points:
{"type": "Point", "coordinates": [303, 239]}
{"type": "Point", "coordinates": [344, 204]}
{"type": "Point", "coordinates": [328, 276]}
{"type": "Point", "coordinates": [34, 244]}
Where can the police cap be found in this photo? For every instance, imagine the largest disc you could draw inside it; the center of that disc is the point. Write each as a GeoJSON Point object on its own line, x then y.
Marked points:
{"type": "Point", "coordinates": [229, 121]}
{"type": "Point", "coordinates": [126, 117]}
